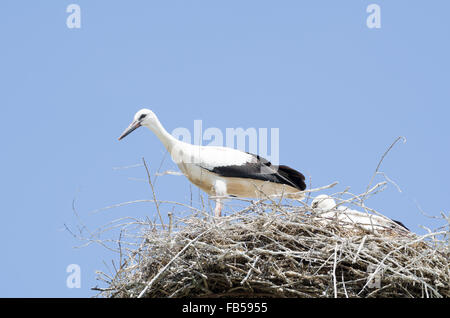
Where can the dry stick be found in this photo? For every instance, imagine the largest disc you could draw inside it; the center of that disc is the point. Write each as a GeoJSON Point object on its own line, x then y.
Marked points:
{"type": "Point", "coordinates": [83, 227]}
{"type": "Point", "coordinates": [127, 167]}
{"type": "Point", "coordinates": [316, 189]}
{"type": "Point", "coordinates": [359, 248]}
{"type": "Point", "coordinates": [391, 181]}
{"type": "Point", "coordinates": [168, 172]}
{"type": "Point", "coordinates": [343, 284]}
{"type": "Point", "coordinates": [153, 191]}
{"type": "Point", "coordinates": [145, 200]}
{"type": "Point", "coordinates": [334, 271]}
{"type": "Point", "coordinates": [170, 222]}
{"type": "Point", "coordinates": [120, 249]}
{"type": "Point", "coordinates": [160, 166]}
{"type": "Point", "coordinates": [381, 160]}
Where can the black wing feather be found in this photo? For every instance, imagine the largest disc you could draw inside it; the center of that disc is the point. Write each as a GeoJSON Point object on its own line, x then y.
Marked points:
{"type": "Point", "coordinates": [262, 169]}
{"type": "Point", "coordinates": [401, 224]}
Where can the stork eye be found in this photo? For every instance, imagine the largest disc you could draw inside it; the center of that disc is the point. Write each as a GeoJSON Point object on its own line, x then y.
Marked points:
{"type": "Point", "coordinates": [142, 116]}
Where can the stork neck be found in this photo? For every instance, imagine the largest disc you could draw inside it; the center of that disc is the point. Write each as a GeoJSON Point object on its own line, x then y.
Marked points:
{"type": "Point", "coordinates": [167, 139]}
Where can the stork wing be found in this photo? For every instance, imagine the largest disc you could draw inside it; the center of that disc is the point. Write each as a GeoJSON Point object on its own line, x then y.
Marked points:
{"type": "Point", "coordinates": [232, 163]}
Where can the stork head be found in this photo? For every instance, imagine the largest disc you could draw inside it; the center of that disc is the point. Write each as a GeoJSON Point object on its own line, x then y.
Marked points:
{"type": "Point", "coordinates": [144, 117]}
{"type": "Point", "coordinates": [324, 202]}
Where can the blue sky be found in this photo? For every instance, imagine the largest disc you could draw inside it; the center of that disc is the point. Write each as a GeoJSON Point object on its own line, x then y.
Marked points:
{"type": "Point", "coordinates": [339, 92]}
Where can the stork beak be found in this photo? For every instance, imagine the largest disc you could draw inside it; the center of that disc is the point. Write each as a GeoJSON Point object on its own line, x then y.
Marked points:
{"type": "Point", "coordinates": [134, 125]}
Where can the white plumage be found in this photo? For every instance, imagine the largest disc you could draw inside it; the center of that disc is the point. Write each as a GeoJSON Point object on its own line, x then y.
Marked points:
{"type": "Point", "coordinates": [348, 218]}
{"type": "Point", "coordinates": [222, 171]}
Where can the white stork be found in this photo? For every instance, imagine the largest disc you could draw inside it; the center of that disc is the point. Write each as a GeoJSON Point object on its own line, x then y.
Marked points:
{"type": "Point", "coordinates": [221, 171]}
{"type": "Point", "coordinates": [349, 218]}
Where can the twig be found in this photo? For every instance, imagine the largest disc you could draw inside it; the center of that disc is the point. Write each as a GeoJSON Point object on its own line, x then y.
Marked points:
{"type": "Point", "coordinates": [334, 271]}
{"type": "Point", "coordinates": [381, 160]}
{"type": "Point", "coordinates": [170, 222]}
{"type": "Point", "coordinates": [153, 192]}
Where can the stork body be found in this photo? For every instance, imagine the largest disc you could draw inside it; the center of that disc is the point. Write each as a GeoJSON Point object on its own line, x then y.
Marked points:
{"type": "Point", "coordinates": [349, 218]}
{"type": "Point", "coordinates": [221, 171]}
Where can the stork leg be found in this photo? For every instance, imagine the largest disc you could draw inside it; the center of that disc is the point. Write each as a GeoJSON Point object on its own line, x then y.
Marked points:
{"type": "Point", "coordinates": [218, 208]}
{"type": "Point", "coordinates": [220, 189]}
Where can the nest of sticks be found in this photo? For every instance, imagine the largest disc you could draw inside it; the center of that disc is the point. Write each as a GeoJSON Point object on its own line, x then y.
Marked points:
{"type": "Point", "coordinates": [270, 249]}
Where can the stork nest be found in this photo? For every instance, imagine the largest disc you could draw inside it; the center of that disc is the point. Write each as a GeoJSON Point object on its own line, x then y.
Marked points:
{"type": "Point", "coordinates": [273, 250]}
